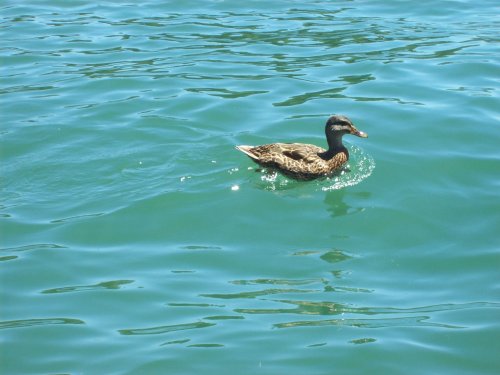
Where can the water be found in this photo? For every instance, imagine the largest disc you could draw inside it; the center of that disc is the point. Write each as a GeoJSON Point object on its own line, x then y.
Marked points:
{"type": "Point", "coordinates": [136, 240]}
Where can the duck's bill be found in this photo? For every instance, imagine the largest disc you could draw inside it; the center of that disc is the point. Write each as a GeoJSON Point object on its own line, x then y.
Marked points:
{"type": "Point", "coordinates": [360, 134]}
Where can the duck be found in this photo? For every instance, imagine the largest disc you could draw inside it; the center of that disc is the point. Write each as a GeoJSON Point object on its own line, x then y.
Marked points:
{"type": "Point", "coordinates": [302, 161]}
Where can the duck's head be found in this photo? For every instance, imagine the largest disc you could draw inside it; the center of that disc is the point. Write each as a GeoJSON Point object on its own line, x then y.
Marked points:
{"type": "Point", "coordinates": [338, 125]}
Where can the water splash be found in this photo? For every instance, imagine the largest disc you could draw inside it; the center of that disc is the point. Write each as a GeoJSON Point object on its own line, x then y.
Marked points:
{"type": "Point", "coordinates": [359, 168]}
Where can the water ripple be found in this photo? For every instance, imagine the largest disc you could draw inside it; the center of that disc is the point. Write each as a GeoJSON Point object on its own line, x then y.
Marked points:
{"type": "Point", "coordinates": [225, 93]}
{"type": "Point", "coordinates": [277, 282]}
{"type": "Point", "coordinates": [115, 284]}
{"type": "Point", "coordinates": [414, 321]}
{"type": "Point", "coordinates": [38, 322]}
{"type": "Point", "coordinates": [253, 294]}
{"type": "Point", "coordinates": [165, 329]}
{"type": "Point", "coordinates": [365, 340]}
{"type": "Point", "coordinates": [332, 308]}
{"type": "Point", "coordinates": [33, 247]}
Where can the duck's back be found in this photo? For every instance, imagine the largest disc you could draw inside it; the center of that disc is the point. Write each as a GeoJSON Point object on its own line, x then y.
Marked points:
{"type": "Point", "coordinates": [296, 151]}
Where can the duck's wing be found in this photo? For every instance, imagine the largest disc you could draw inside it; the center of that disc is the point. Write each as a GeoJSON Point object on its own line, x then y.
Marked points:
{"type": "Point", "coordinates": [287, 155]}
{"type": "Point", "coordinates": [302, 153]}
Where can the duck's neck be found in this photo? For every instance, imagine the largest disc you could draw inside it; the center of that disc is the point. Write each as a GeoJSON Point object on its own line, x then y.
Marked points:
{"type": "Point", "coordinates": [334, 144]}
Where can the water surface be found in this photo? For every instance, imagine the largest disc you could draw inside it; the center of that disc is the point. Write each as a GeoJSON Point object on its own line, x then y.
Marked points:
{"type": "Point", "coordinates": [136, 240]}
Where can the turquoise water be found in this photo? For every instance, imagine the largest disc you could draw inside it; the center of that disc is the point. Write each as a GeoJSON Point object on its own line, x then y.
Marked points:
{"type": "Point", "coordinates": [136, 240]}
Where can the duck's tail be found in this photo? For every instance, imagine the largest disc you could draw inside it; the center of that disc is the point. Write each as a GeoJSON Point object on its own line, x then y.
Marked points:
{"type": "Point", "coordinates": [248, 151]}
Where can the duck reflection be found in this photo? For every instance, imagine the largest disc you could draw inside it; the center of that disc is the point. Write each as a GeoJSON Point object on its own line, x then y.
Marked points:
{"type": "Point", "coordinates": [335, 202]}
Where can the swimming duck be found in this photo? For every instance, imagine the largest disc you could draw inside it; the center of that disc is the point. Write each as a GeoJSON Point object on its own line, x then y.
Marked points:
{"type": "Point", "coordinates": [304, 161]}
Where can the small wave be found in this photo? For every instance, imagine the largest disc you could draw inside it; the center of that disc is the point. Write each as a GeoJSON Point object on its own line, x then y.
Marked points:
{"type": "Point", "coordinates": [33, 247]}
{"type": "Point", "coordinates": [415, 321]}
{"type": "Point", "coordinates": [165, 329]}
{"type": "Point", "coordinates": [116, 284]}
{"type": "Point", "coordinates": [38, 322]}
